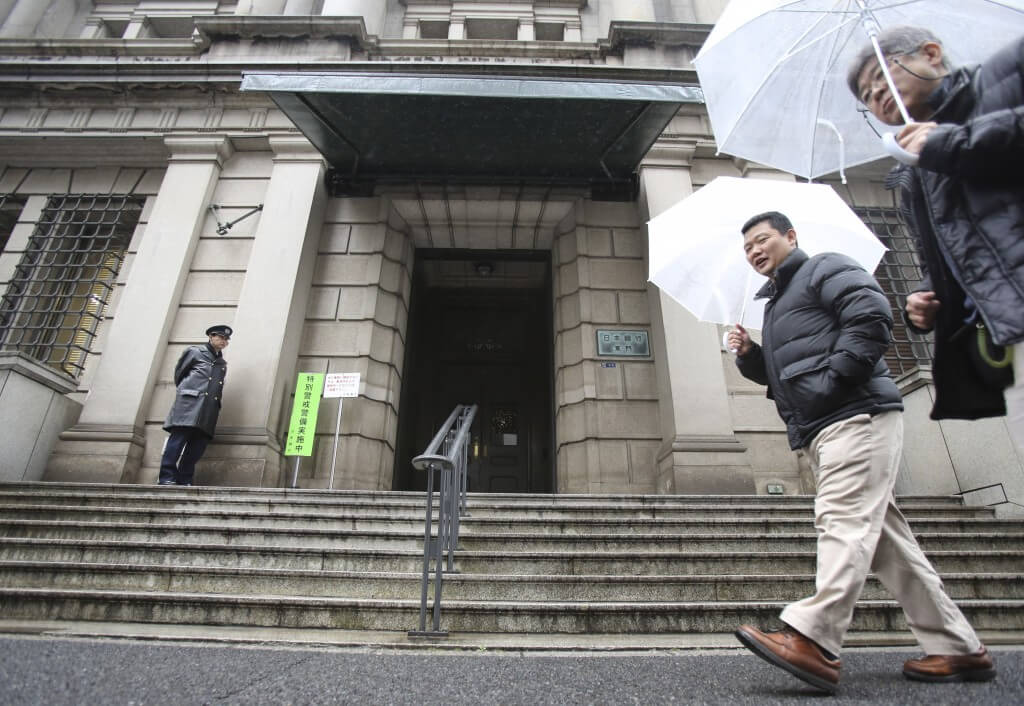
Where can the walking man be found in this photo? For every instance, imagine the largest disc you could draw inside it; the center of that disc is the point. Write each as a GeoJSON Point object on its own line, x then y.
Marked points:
{"type": "Point", "coordinates": [963, 203]}
{"type": "Point", "coordinates": [199, 378]}
{"type": "Point", "coordinates": [827, 325]}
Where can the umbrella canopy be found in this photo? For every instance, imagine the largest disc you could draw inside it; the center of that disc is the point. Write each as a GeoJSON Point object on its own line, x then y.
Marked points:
{"type": "Point", "coordinates": [773, 72]}
{"type": "Point", "coordinates": [696, 247]}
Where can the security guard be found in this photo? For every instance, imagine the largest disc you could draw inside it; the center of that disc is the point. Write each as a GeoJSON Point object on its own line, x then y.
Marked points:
{"type": "Point", "coordinates": [199, 377]}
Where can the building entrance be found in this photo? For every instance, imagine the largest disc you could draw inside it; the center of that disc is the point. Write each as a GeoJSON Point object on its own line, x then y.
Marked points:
{"type": "Point", "coordinates": [481, 333]}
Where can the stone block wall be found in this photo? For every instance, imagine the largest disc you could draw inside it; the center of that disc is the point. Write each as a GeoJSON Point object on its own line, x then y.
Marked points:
{"type": "Point", "coordinates": [356, 322]}
{"type": "Point", "coordinates": [606, 413]}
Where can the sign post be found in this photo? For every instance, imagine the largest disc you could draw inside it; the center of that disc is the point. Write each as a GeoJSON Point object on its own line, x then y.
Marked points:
{"type": "Point", "coordinates": [339, 385]}
{"type": "Point", "coordinates": [302, 427]}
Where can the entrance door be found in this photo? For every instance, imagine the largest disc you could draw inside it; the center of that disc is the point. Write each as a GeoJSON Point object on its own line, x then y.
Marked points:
{"type": "Point", "coordinates": [486, 342]}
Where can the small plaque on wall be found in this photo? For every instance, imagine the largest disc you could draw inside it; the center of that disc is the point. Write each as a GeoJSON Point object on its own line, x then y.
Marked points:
{"type": "Point", "coordinates": [617, 342]}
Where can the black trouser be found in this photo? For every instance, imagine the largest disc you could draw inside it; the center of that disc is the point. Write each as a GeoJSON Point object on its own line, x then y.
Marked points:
{"type": "Point", "coordinates": [188, 445]}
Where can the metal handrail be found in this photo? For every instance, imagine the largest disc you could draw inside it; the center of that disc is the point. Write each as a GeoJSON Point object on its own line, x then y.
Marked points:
{"type": "Point", "coordinates": [448, 453]}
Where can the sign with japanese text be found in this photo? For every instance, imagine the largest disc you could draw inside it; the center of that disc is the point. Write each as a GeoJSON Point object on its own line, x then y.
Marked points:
{"type": "Point", "coordinates": [341, 385]}
{"type": "Point", "coordinates": [302, 428]}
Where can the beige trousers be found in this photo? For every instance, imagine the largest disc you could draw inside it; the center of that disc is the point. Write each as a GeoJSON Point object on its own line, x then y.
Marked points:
{"type": "Point", "coordinates": [860, 529]}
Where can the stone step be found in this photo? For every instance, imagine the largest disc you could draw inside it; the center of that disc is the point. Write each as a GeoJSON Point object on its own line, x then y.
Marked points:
{"type": "Point", "coordinates": [468, 587]}
{"type": "Point", "coordinates": [345, 503]}
{"type": "Point", "coordinates": [572, 563]}
{"type": "Point", "coordinates": [461, 616]}
{"type": "Point", "coordinates": [221, 494]}
{"type": "Point", "coordinates": [468, 541]}
{"type": "Point", "coordinates": [408, 522]}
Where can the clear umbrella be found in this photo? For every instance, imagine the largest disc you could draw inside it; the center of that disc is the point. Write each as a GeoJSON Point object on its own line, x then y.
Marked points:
{"type": "Point", "coordinates": [696, 248]}
{"type": "Point", "coordinates": [773, 72]}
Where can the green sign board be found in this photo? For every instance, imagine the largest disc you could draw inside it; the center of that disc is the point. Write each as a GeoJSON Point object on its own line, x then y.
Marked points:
{"type": "Point", "coordinates": [302, 428]}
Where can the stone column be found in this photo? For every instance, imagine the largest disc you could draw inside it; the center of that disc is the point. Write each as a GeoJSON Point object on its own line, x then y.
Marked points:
{"type": "Point", "coordinates": [5, 9]}
{"type": "Point", "coordinates": [259, 7]}
{"type": "Point", "coordinates": [526, 30]}
{"type": "Point", "coordinates": [373, 12]}
{"type": "Point", "coordinates": [573, 31]}
{"type": "Point", "coordinates": [700, 452]}
{"type": "Point", "coordinates": [23, 18]}
{"type": "Point", "coordinates": [457, 28]}
{"type": "Point", "coordinates": [269, 320]}
{"type": "Point", "coordinates": [298, 7]}
{"type": "Point", "coordinates": [107, 443]}
{"type": "Point", "coordinates": [632, 10]}
{"type": "Point", "coordinates": [138, 28]}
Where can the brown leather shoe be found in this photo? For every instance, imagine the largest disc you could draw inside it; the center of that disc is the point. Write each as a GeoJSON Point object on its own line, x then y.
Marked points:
{"type": "Point", "coordinates": [974, 667]}
{"type": "Point", "coordinates": [793, 652]}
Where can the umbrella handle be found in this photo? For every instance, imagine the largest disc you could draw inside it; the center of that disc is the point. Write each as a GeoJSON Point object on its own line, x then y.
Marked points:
{"type": "Point", "coordinates": [897, 152]}
{"type": "Point", "coordinates": [725, 343]}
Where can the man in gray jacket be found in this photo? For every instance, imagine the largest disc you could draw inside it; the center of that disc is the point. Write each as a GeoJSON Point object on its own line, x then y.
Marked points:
{"type": "Point", "coordinates": [827, 325]}
{"type": "Point", "coordinates": [199, 378]}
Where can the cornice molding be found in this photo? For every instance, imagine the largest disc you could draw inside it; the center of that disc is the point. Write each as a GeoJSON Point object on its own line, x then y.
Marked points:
{"type": "Point", "coordinates": [289, 27]}
{"type": "Point", "coordinates": [622, 33]}
{"type": "Point", "coordinates": [199, 148]}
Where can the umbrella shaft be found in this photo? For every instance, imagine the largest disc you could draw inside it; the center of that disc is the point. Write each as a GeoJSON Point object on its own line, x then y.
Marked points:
{"type": "Point", "coordinates": [870, 25]}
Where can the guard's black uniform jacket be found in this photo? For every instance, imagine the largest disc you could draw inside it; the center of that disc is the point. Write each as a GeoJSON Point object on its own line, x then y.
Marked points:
{"type": "Point", "coordinates": [964, 203]}
{"type": "Point", "coordinates": [199, 377]}
{"type": "Point", "coordinates": [826, 328]}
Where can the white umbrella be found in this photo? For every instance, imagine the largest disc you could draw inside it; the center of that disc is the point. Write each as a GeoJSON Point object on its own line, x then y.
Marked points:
{"type": "Point", "coordinates": [773, 72]}
{"type": "Point", "coordinates": [696, 247]}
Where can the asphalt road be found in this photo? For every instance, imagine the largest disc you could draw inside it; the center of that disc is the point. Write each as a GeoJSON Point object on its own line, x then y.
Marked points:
{"type": "Point", "coordinates": [57, 671]}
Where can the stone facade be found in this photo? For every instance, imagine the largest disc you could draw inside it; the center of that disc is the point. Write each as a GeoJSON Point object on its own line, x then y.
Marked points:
{"type": "Point", "coordinates": [143, 99]}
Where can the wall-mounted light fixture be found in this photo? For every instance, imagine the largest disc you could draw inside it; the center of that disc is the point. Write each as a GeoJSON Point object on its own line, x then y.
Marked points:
{"type": "Point", "coordinates": [484, 269]}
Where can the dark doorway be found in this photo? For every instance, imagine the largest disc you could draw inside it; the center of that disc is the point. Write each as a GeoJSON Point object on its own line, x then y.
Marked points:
{"type": "Point", "coordinates": [480, 332]}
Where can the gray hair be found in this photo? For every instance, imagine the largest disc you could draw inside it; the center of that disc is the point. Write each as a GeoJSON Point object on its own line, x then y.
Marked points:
{"type": "Point", "coordinates": [895, 41]}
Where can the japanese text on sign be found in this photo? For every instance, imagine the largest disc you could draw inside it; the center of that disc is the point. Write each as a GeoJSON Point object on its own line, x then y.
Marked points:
{"type": "Point", "coordinates": [302, 428]}
{"type": "Point", "coordinates": [341, 385]}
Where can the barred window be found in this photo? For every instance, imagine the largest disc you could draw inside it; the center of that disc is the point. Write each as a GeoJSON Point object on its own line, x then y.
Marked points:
{"type": "Point", "coordinates": [62, 285]}
{"type": "Point", "coordinates": [898, 274]}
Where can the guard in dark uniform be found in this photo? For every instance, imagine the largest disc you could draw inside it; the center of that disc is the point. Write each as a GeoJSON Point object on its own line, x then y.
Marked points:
{"type": "Point", "coordinates": [199, 377]}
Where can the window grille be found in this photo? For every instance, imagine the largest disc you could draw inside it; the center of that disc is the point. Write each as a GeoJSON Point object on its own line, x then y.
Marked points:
{"type": "Point", "coordinates": [61, 287]}
{"type": "Point", "coordinates": [898, 274]}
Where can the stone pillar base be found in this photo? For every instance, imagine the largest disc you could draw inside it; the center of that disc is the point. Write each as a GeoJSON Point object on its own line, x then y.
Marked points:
{"type": "Point", "coordinates": [242, 458]}
{"type": "Point", "coordinates": [34, 410]}
{"type": "Point", "coordinates": [97, 453]}
{"type": "Point", "coordinates": [705, 465]}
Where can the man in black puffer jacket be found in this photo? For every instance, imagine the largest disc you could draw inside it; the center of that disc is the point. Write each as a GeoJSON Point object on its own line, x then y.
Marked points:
{"type": "Point", "coordinates": [964, 204]}
{"type": "Point", "coordinates": [827, 325]}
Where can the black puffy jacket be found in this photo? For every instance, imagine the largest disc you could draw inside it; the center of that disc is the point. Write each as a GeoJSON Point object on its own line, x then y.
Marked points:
{"type": "Point", "coordinates": [199, 376]}
{"type": "Point", "coordinates": [965, 199]}
{"type": "Point", "coordinates": [826, 328]}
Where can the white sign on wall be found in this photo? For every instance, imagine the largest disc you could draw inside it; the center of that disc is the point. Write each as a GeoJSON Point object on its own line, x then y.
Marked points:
{"type": "Point", "coordinates": [341, 385]}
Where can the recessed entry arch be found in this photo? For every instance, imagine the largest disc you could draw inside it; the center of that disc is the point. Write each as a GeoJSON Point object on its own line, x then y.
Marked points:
{"type": "Point", "coordinates": [481, 332]}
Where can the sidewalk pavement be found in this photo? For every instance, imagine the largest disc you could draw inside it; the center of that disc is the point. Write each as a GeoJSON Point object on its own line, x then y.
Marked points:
{"type": "Point", "coordinates": [114, 663]}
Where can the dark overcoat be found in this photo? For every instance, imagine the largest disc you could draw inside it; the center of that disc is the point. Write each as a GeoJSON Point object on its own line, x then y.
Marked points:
{"type": "Point", "coordinates": [199, 377]}
{"type": "Point", "coordinates": [964, 204]}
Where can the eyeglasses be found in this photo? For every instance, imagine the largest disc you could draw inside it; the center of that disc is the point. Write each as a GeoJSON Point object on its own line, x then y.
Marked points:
{"type": "Point", "coordinates": [878, 77]}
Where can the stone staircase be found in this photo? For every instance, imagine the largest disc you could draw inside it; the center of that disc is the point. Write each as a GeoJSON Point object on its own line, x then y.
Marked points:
{"type": "Point", "coordinates": [527, 563]}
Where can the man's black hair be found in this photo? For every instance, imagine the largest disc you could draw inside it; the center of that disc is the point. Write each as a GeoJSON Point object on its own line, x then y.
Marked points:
{"type": "Point", "coordinates": [776, 220]}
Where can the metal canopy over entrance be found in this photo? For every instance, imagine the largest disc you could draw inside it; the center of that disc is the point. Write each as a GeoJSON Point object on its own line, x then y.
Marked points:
{"type": "Point", "coordinates": [378, 126]}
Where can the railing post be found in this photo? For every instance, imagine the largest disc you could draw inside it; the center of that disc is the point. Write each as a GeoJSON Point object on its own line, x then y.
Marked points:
{"type": "Point", "coordinates": [451, 441]}
{"type": "Point", "coordinates": [426, 550]}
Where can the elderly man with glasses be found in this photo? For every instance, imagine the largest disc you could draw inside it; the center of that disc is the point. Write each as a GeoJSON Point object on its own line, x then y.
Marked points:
{"type": "Point", "coordinates": [964, 204]}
